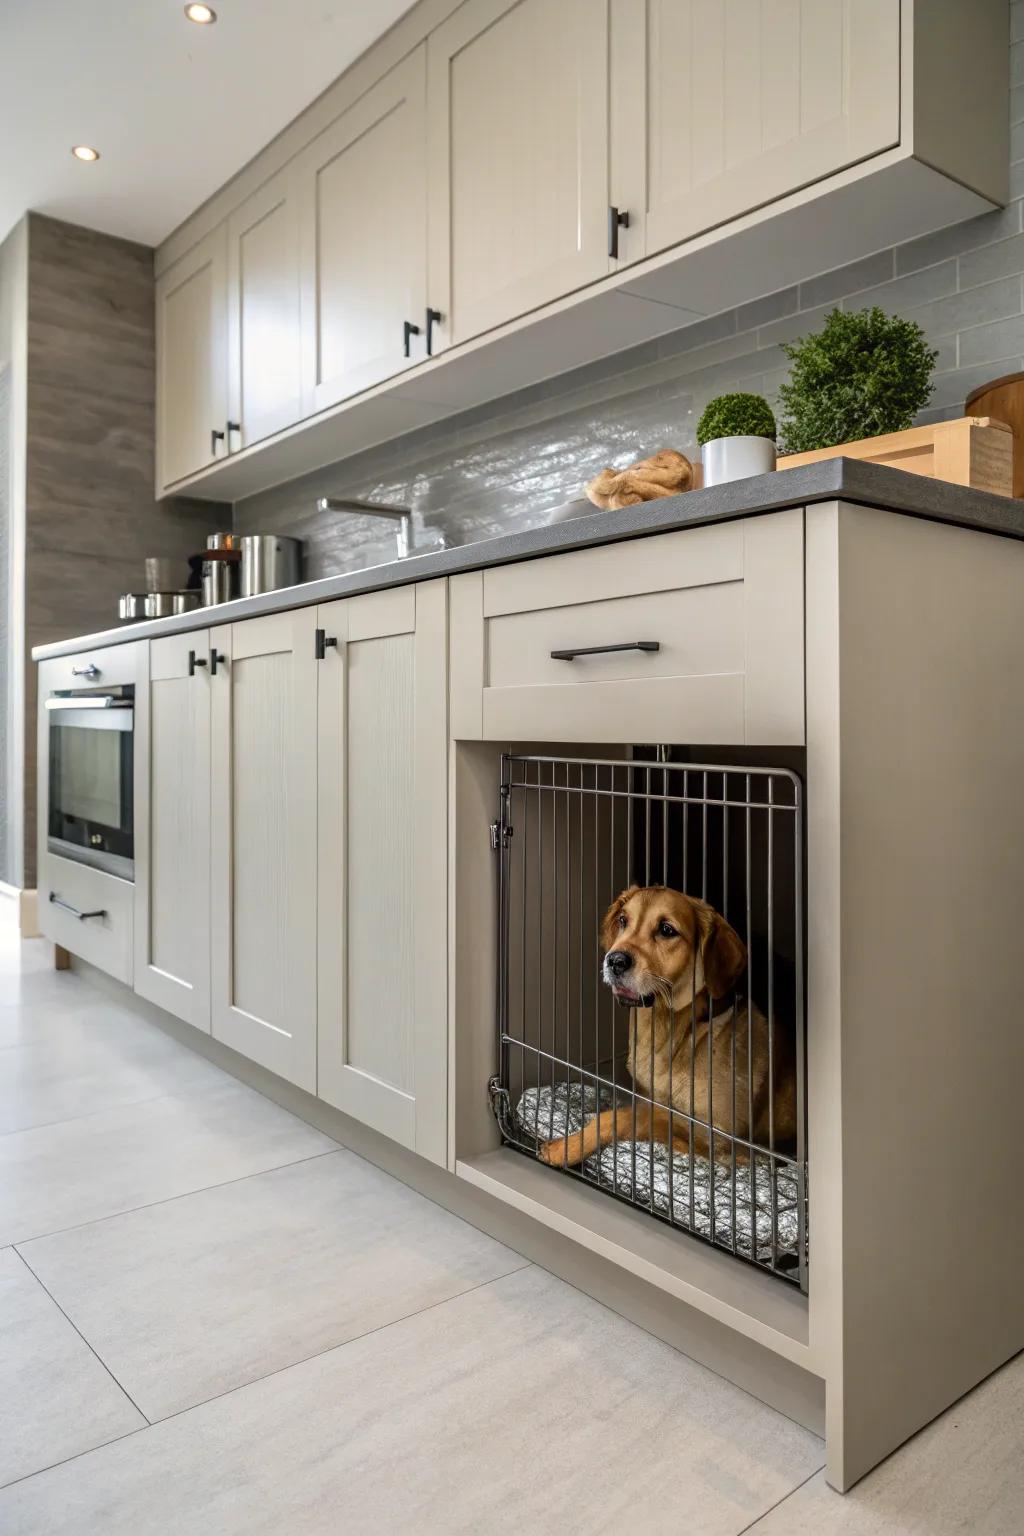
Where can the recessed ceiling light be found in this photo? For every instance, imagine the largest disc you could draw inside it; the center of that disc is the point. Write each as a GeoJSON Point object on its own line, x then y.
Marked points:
{"type": "Point", "coordinates": [202, 15]}
{"type": "Point", "coordinates": [85, 152]}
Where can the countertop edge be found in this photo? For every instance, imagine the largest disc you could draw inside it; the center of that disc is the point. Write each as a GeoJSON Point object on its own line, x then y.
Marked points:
{"type": "Point", "coordinates": [851, 480]}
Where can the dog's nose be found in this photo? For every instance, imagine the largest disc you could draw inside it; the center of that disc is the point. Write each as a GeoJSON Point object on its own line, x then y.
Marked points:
{"type": "Point", "coordinates": [618, 962]}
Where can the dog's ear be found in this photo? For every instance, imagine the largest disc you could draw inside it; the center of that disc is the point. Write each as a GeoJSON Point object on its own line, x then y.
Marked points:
{"type": "Point", "coordinates": [723, 953]}
{"type": "Point", "coordinates": [609, 923]}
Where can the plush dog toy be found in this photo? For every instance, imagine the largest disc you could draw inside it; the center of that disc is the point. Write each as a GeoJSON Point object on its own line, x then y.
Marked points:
{"type": "Point", "coordinates": [665, 473]}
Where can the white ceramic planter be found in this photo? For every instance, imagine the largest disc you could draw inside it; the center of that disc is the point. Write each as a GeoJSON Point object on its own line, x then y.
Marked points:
{"type": "Point", "coordinates": [737, 458]}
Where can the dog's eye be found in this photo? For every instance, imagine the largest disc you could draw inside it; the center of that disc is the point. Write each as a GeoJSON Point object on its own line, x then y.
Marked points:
{"type": "Point", "coordinates": [666, 931]}
{"type": "Point", "coordinates": [622, 919]}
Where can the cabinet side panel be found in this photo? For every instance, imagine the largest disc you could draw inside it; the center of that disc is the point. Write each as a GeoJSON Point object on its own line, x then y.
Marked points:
{"type": "Point", "coordinates": [932, 887]}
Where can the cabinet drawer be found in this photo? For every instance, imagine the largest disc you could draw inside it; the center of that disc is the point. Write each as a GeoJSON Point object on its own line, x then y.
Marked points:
{"type": "Point", "coordinates": [106, 941]}
{"type": "Point", "coordinates": [107, 666]}
{"type": "Point", "coordinates": [712, 618]}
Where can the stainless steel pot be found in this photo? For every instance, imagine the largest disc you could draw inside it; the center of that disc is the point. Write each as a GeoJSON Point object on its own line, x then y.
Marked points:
{"type": "Point", "coordinates": [131, 606]}
{"type": "Point", "coordinates": [163, 573]}
{"type": "Point", "coordinates": [220, 576]}
{"type": "Point", "coordinates": [161, 605]}
{"type": "Point", "coordinates": [269, 561]}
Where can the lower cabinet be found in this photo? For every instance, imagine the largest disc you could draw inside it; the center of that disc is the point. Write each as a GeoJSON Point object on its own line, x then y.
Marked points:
{"type": "Point", "coordinates": [263, 841]}
{"type": "Point", "coordinates": [382, 874]}
{"type": "Point", "coordinates": [172, 827]}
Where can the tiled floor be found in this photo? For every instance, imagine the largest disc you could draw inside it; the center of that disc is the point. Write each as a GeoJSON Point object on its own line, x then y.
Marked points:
{"type": "Point", "coordinates": [215, 1320]}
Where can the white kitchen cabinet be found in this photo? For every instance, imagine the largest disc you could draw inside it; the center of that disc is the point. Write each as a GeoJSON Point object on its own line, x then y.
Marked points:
{"type": "Point", "coordinates": [725, 105]}
{"type": "Point", "coordinates": [191, 344]}
{"type": "Point", "coordinates": [517, 103]}
{"type": "Point", "coordinates": [382, 905]}
{"type": "Point", "coordinates": [263, 841]}
{"type": "Point", "coordinates": [363, 240]}
{"type": "Point", "coordinates": [172, 828]}
{"type": "Point", "coordinates": [264, 336]}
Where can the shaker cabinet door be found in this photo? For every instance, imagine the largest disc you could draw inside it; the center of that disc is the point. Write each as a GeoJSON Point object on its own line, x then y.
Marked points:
{"type": "Point", "coordinates": [517, 102]}
{"type": "Point", "coordinates": [191, 348]}
{"type": "Point", "coordinates": [382, 907]}
{"type": "Point", "coordinates": [264, 338]}
{"type": "Point", "coordinates": [172, 820]}
{"type": "Point", "coordinates": [363, 237]}
{"type": "Point", "coordinates": [739, 102]}
{"type": "Point", "coordinates": [263, 842]}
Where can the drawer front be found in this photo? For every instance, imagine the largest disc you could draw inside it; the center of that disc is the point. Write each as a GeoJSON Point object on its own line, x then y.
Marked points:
{"type": "Point", "coordinates": [104, 941]}
{"type": "Point", "coordinates": [691, 637]}
{"type": "Point", "coordinates": [111, 665]}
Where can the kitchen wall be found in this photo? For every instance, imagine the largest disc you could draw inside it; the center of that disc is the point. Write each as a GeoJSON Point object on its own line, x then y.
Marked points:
{"type": "Point", "coordinates": [507, 465]}
{"type": "Point", "coordinates": [90, 514]}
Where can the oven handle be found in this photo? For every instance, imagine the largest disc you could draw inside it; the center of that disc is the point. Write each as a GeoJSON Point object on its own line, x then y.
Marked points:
{"type": "Point", "coordinates": [88, 701]}
{"type": "Point", "coordinates": [67, 907]}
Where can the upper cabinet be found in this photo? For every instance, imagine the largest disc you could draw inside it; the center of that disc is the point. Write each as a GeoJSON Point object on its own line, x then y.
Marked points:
{"type": "Point", "coordinates": [518, 144]}
{"type": "Point", "coordinates": [263, 335]}
{"type": "Point", "coordinates": [191, 349]}
{"type": "Point", "coordinates": [363, 226]}
{"type": "Point", "coordinates": [737, 102]}
{"type": "Point", "coordinates": [527, 186]}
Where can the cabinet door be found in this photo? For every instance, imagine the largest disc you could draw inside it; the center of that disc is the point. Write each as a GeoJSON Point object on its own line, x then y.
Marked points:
{"type": "Point", "coordinates": [363, 227]}
{"type": "Point", "coordinates": [382, 966]}
{"type": "Point", "coordinates": [263, 842]}
{"type": "Point", "coordinates": [738, 102]}
{"type": "Point", "coordinates": [172, 820]}
{"type": "Point", "coordinates": [264, 334]}
{"type": "Point", "coordinates": [191, 347]}
{"type": "Point", "coordinates": [517, 102]}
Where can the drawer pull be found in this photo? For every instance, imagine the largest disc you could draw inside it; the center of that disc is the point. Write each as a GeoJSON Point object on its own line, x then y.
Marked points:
{"type": "Point", "coordinates": [601, 650]}
{"type": "Point", "coordinates": [92, 670]}
{"type": "Point", "coordinates": [67, 907]}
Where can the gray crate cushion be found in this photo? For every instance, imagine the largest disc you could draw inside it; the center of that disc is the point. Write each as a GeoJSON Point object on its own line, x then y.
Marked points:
{"type": "Point", "coordinates": [626, 1168]}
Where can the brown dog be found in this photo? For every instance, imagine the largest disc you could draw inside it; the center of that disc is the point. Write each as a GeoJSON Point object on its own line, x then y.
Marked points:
{"type": "Point", "coordinates": [670, 958]}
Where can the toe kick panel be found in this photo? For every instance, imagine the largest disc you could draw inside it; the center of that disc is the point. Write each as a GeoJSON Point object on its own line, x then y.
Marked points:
{"type": "Point", "coordinates": [694, 636]}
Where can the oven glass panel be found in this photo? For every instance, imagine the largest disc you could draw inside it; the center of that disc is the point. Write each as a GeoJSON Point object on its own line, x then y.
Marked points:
{"type": "Point", "coordinates": [91, 811]}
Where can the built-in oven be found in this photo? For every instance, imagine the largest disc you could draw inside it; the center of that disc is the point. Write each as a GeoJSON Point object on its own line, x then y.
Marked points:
{"type": "Point", "coordinates": [90, 814]}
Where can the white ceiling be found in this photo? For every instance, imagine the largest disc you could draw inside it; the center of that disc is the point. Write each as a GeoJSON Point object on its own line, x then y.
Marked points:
{"type": "Point", "coordinates": [174, 109]}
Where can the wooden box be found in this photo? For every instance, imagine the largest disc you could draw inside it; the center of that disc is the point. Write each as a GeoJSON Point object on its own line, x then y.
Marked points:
{"type": "Point", "coordinates": [972, 450]}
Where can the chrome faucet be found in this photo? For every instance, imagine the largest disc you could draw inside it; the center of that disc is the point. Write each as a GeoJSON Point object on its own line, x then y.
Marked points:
{"type": "Point", "coordinates": [400, 515]}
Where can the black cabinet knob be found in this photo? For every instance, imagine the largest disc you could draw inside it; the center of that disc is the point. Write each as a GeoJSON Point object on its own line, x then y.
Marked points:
{"type": "Point", "coordinates": [408, 331]}
{"type": "Point", "coordinates": [616, 221]}
{"type": "Point", "coordinates": [434, 317]}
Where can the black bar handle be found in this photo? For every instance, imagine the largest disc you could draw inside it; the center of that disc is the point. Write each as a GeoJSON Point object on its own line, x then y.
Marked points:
{"type": "Point", "coordinates": [616, 221]}
{"type": "Point", "coordinates": [214, 659]}
{"type": "Point", "coordinates": [193, 662]}
{"type": "Point", "coordinates": [408, 331]}
{"type": "Point", "coordinates": [601, 650]}
{"type": "Point", "coordinates": [215, 438]}
{"type": "Point", "coordinates": [321, 641]}
{"type": "Point", "coordinates": [232, 426]}
{"type": "Point", "coordinates": [434, 317]}
{"type": "Point", "coordinates": [66, 905]}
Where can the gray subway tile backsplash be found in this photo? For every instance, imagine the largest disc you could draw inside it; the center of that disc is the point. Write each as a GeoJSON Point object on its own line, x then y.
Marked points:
{"type": "Point", "coordinates": [509, 463]}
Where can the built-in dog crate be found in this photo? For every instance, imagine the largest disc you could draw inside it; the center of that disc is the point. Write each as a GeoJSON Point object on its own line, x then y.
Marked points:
{"type": "Point", "coordinates": [714, 1149]}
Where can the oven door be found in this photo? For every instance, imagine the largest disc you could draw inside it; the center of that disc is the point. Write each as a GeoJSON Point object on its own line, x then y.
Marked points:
{"type": "Point", "coordinates": [90, 812]}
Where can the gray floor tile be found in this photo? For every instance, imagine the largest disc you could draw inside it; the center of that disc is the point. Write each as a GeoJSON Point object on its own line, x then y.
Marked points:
{"type": "Point", "coordinates": [57, 1400]}
{"type": "Point", "coordinates": [522, 1405]}
{"type": "Point", "coordinates": [962, 1476]}
{"type": "Point", "coordinates": [279, 1267]}
{"type": "Point", "coordinates": [61, 1175]}
{"type": "Point", "coordinates": [88, 1058]}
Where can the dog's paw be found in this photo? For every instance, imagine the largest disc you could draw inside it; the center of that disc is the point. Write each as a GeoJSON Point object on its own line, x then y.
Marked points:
{"type": "Point", "coordinates": [552, 1153]}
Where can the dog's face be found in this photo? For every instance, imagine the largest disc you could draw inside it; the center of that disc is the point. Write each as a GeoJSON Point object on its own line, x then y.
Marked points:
{"type": "Point", "coordinates": [659, 942]}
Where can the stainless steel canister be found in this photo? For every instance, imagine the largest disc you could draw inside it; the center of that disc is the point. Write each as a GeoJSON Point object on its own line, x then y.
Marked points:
{"type": "Point", "coordinates": [131, 606]}
{"type": "Point", "coordinates": [160, 605]}
{"type": "Point", "coordinates": [220, 577]}
{"type": "Point", "coordinates": [269, 561]}
{"type": "Point", "coordinates": [163, 573]}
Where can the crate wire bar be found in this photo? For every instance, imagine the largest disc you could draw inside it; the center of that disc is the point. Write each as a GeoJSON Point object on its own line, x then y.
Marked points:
{"type": "Point", "coordinates": [572, 834]}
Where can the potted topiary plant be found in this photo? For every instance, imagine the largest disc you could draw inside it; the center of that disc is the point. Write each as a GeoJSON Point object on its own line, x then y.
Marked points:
{"type": "Point", "coordinates": [737, 438]}
{"type": "Point", "coordinates": [862, 375]}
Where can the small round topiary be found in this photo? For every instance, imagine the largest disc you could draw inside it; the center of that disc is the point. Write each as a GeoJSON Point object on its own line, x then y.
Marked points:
{"type": "Point", "coordinates": [736, 416]}
{"type": "Point", "coordinates": [862, 374]}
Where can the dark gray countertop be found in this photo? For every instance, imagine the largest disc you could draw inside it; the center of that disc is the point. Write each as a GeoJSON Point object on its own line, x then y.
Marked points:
{"type": "Point", "coordinates": [831, 480]}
